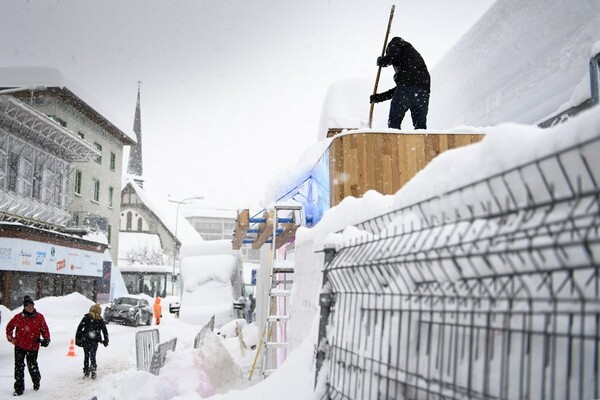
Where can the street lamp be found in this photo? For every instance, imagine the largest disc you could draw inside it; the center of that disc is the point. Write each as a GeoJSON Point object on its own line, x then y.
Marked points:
{"type": "Point", "coordinates": [176, 249]}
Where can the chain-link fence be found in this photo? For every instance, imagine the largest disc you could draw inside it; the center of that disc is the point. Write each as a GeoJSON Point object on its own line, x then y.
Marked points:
{"type": "Point", "coordinates": [491, 291]}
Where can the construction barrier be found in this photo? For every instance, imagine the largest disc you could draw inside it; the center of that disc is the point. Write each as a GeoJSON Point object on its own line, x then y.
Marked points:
{"type": "Point", "coordinates": [145, 344]}
{"type": "Point", "coordinates": [160, 353]}
{"type": "Point", "coordinates": [209, 327]}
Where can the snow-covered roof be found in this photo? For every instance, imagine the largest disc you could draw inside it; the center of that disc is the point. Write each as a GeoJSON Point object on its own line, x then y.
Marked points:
{"type": "Point", "coordinates": [167, 215]}
{"type": "Point", "coordinates": [136, 241]}
{"type": "Point", "coordinates": [39, 77]}
{"type": "Point", "coordinates": [521, 62]}
{"type": "Point", "coordinates": [346, 105]}
{"type": "Point", "coordinates": [146, 268]}
{"type": "Point", "coordinates": [31, 77]}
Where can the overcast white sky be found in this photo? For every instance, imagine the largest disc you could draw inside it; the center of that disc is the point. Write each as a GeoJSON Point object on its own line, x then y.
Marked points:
{"type": "Point", "coordinates": [232, 90]}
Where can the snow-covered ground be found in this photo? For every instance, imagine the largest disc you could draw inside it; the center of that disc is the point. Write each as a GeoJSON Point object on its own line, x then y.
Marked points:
{"type": "Point", "coordinates": [188, 370]}
{"type": "Point", "coordinates": [118, 378]}
{"type": "Point", "coordinates": [182, 375]}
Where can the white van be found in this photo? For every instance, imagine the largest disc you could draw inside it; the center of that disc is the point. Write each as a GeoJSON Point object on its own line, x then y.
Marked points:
{"type": "Point", "coordinates": [211, 281]}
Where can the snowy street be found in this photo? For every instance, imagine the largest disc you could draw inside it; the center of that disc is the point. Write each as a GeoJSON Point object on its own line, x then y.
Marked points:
{"type": "Point", "coordinates": [62, 376]}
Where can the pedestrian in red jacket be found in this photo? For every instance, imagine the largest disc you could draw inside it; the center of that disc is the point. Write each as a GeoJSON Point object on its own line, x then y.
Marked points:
{"type": "Point", "coordinates": [24, 331]}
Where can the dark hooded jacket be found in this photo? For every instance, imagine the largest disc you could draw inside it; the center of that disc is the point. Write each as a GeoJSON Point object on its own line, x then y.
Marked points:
{"type": "Point", "coordinates": [409, 66]}
{"type": "Point", "coordinates": [90, 330]}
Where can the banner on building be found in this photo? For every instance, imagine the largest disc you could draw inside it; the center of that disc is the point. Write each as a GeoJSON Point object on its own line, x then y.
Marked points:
{"type": "Point", "coordinates": [30, 256]}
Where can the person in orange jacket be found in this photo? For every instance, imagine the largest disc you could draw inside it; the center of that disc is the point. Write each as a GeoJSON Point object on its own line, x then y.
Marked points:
{"type": "Point", "coordinates": [157, 310]}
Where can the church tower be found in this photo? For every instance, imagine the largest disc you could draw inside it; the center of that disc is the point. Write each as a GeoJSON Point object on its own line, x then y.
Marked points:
{"type": "Point", "coordinates": [135, 167]}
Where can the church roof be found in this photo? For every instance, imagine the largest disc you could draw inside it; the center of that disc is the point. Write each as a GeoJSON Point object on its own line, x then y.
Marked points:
{"type": "Point", "coordinates": [166, 213]}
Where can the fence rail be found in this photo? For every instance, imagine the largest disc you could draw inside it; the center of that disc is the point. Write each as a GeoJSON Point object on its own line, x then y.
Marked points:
{"type": "Point", "coordinates": [208, 327]}
{"type": "Point", "coordinates": [490, 291]}
{"type": "Point", "coordinates": [145, 343]}
{"type": "Point", "coordinates": [160, 354]}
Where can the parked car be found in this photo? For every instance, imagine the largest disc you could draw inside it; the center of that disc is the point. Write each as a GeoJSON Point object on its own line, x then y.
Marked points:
{"type": "Point", "coordinates": [129, 310]}
{"type": "Point", "coordinates": [174, 308]}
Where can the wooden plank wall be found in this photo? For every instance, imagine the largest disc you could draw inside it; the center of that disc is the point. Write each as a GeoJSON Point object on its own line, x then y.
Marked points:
{"type": "Point", "coordinates": [383, 161]}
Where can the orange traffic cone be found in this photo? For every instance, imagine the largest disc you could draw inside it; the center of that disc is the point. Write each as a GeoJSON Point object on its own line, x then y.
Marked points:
{"type": "Point", "coordinates": [71, 352]}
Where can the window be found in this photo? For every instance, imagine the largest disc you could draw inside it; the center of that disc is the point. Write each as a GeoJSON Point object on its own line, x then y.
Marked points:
{"type": "Point", "coordinates": [129, 220]}
{"type": "Point", "coordinates": [209, 227]}
{"type": "Point", "coordinates": [99, 147]}
{"type": "Point", "coordinates": [81, 135]}
{"type": "Point", "coordinates": [58, 120]}
{"type": "Point", "coordinates": [113, 161]}
{"type": "Point", "coordinates": [38, 169]}
{"type": "Point", "coordinates": [109, 233]}
{"type": "Point", "coordinates": [111, 191]}
{"type": "Point", "coordinates": [58, 190]}
{"type": "Point", "coordinates": [78, 182]}
{"type": "Point", "coordinates": [13, 171]}
{"type": "Point", "coordinates": [96, 196]}
{"type": "Point", "coordinates": [139, 227]}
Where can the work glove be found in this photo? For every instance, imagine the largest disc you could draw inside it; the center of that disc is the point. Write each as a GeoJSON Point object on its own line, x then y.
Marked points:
{"type": "Point", "coordinates": [378, 98]}
{"type": "Point", "coordinates": [383, 61]}
{"type": "Point", "coordinates": [43, 342]}
{"type": "Point", "coordinates": [105, 343]}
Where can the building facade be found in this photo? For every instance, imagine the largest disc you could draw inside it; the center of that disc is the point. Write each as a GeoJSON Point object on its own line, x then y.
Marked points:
{"type": "Point", "coordinates": [150, 240]}
{"type": "Point", "coordinates": [215, 224]}
{"type": "Point", "coordinates": [95, 185]}
{"type": "Point", "coordinates": [39, 254]}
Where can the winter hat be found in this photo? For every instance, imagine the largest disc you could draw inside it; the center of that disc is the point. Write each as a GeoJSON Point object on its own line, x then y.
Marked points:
{"type": "Point", "coordinates": [27, 300]}
{"type": "Point", "coordinates": [96, 311]}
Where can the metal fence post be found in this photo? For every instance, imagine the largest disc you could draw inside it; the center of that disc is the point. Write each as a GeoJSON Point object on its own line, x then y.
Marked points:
{"type": "Point", "coordinates": [326, 302]}
{"type": "Point", "coordinates": [594, 62]}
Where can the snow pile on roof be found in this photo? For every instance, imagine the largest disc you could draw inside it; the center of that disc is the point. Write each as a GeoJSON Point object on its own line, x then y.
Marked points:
{"type": "Point", "coordinates": [521, 62]}
{"type": "Point", "coordinates": [294, 175]}
{"type": "Point", "coordinates": [97, 236]}
{"type": "Point", "coordinates": [346, 105]}
{"type": "Point", "coordinates": [31, 76]}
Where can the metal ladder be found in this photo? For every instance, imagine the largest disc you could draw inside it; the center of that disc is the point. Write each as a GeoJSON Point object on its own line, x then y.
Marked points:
{"type": "Point", "coordinates": [275, 343]}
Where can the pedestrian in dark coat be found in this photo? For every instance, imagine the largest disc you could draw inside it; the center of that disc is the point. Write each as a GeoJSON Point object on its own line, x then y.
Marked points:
{"type": "Point", "coordinates": [413, 84]}
{"type": "Point", "coordinates": [91, 331]}
{"type": "Point", "coordinates": [24, 331]}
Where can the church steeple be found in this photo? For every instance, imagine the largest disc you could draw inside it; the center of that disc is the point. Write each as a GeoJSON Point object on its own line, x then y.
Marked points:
{"type": "Point", "coordinates": [135, 167]}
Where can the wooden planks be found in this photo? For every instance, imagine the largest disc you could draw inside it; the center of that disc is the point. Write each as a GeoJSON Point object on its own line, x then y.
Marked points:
{"type": "Point", "coordinates": [242, 223]}
{"type": "Point", "coordinates": [384, 161]}
{"type": "Point", "coordinates": [265, 230]}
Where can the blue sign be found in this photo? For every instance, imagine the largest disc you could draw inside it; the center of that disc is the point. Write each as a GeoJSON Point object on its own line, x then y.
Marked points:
{"type": "Point", "coordinates": [253, 277]}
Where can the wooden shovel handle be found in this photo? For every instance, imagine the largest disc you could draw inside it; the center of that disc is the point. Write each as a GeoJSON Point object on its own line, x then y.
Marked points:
{"type": "Point", "coordinates": [387, 34]}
